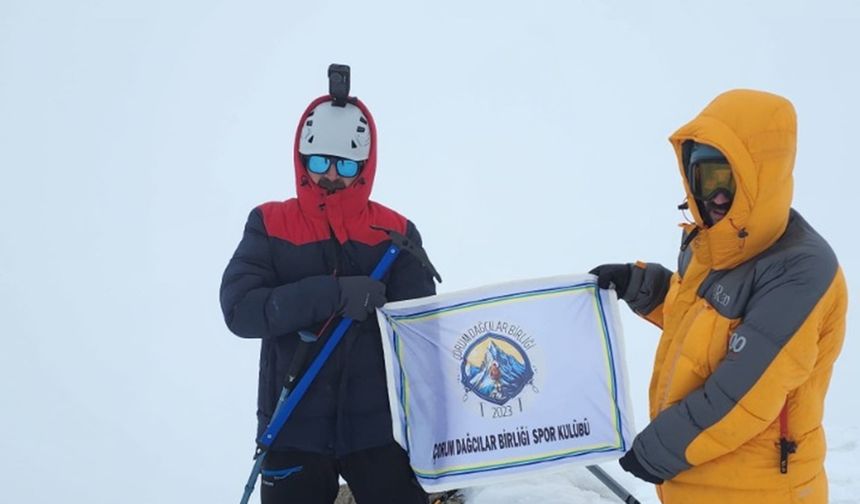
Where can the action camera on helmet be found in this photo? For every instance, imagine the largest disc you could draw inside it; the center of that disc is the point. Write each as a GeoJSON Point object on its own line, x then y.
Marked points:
{"type": "Point", "coordinates": [338, 83]}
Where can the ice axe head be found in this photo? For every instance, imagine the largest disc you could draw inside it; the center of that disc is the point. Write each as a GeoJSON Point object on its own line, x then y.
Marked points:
{"type": "Point", "coordinates": [407, 245]}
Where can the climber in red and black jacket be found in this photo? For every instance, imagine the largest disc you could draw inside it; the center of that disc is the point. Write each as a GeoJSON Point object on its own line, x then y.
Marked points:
{"type": "Point", "coordinates": [303, 263]}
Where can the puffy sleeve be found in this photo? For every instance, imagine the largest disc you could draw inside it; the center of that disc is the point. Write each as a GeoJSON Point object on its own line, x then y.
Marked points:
{"type": "Point", "coordinates": [649, 283]}
{"type": "Point", "coordinates": [253, 302]}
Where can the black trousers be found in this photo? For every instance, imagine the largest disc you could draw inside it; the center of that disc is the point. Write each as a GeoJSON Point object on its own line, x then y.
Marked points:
{"type": "Point", "coordinates": [375, 475]}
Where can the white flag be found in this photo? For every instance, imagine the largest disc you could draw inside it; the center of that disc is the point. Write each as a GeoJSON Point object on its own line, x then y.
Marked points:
{"type": "Point", "coordinates": [507, 380]}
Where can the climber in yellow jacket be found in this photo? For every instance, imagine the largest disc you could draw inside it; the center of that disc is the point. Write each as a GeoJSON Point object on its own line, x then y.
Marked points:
{"type": "Point", "coordinates": [753, 320]}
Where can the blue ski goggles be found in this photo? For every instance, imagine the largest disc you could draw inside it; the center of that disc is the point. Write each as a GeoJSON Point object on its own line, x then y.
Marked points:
{"type": "Point", "coordinates": [319, 164]}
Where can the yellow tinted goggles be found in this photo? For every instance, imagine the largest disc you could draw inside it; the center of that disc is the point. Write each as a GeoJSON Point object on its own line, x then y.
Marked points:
{"type": "Point", "coordinates": [711, 177]}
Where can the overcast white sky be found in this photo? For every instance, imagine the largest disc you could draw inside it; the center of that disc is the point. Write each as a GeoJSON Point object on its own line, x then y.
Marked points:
{"type": "Point", "coordinates": [524, 139]}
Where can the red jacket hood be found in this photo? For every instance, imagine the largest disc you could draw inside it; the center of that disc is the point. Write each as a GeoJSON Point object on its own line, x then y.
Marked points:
{"type": "Point", "coordinates": [348, 207]}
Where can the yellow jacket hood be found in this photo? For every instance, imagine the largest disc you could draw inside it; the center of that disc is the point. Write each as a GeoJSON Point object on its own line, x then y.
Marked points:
{"type": "Point", "coordinates": [757, 132]}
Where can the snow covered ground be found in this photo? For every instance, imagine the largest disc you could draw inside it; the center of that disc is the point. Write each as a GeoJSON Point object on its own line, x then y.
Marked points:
{"type": "Point", "coordinates": [843, 464]}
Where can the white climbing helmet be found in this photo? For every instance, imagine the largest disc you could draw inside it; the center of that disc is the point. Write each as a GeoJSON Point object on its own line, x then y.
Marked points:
{"type": "Point", "coordinates": [336, 131]}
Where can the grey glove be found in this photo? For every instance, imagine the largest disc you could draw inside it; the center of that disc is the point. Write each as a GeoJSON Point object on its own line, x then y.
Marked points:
{"type": "Point", "coordinates": [360, 296]}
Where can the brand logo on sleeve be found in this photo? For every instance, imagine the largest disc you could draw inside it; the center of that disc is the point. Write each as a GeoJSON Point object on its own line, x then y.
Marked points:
{"type": "Point", "coordinates": [737, 343]}
{"type": "Point", "coordinates": [720, 297]}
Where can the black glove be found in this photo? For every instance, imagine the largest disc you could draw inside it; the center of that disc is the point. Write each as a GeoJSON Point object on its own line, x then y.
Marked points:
{"type": "Point", "coordinates": [631, 464]}
{"type": "Point", "coordinates": [360, 296]}
{"type": "Point", "coordinates": [615, 276]}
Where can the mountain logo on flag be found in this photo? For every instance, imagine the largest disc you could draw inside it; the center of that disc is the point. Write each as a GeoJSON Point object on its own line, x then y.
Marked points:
{"type": "Point", "coordinates": [495, 368]}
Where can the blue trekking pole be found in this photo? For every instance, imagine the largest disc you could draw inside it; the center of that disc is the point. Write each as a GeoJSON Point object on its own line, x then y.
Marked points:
{"type": "Point", "coordinates": [289, 398]}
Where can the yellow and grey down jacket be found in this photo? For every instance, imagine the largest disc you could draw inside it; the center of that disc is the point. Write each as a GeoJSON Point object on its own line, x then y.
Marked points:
{"type": "Point", "coordinates": [753, 320]}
